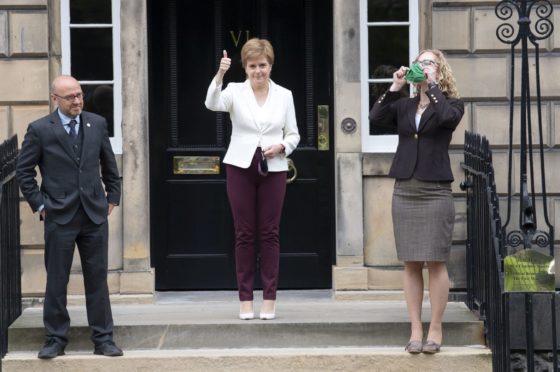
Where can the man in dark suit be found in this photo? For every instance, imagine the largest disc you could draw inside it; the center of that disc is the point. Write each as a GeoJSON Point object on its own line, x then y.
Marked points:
{"type": "Point", "coordinates": [75, 158]}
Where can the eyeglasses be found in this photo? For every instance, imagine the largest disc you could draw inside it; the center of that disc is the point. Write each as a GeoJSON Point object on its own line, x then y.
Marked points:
{"type": "Point", "coordinates": [427, 63]}
{"type": "Point", "coordinates": [71, 97]}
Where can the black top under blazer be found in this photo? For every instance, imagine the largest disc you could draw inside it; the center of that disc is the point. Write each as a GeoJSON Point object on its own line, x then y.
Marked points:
{"type": "Point", "coordinates": [69, 179]}
{"type": "Point", "coordinates": [423, 153]}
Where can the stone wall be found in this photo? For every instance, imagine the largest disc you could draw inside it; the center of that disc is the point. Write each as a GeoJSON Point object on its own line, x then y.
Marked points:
{"type": "Point", "coordinates": [30, 57]}
{"type": "Point", "coordinates": [24, 97]}
{"type": "Point", "coordinates": [24, 64]}
{"type": "Point", "coordinates": [482, 66]}
{"type": "Point", "coordinates": [466, 31]}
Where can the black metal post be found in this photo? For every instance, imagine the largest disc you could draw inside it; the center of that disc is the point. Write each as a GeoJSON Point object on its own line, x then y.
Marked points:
{"type": "Point", "coordinates": [533, 24]}
{"type": "Point", "coordinates": [527, 235]}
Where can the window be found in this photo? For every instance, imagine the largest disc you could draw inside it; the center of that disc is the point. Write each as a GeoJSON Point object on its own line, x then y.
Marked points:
{"type": "Point", "coordinates": [388, 40]}
{"type": "Point", "coordinates": [90, 32]}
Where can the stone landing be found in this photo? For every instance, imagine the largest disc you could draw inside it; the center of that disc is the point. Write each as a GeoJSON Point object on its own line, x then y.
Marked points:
{"type": "Point", "coordinates": [194, 331]}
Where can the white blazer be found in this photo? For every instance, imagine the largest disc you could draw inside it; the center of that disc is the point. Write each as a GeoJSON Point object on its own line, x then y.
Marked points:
{"type": "Point", "coordinates": [275, 124]}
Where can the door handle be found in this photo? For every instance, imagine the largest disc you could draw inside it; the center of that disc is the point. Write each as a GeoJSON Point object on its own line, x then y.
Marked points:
{"type": "Point", "coordinates": [291, 168]}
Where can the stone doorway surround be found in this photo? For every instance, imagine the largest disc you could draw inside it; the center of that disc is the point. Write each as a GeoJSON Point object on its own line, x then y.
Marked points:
{"type": "Point", "coordinates": [131, 278]}
{"type": "Point", "coordinates": [349, 272]}
{"type": "Point", "coordinates": [137, 276]}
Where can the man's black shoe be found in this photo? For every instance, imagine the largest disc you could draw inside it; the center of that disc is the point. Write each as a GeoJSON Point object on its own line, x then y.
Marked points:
{"type": "Point", "coordinates": [51, 349]}
{"type": "Point", "coordinates": [108, 349]}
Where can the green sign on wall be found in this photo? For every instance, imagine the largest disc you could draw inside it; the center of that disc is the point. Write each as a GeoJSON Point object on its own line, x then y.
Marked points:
{"type": "Point", "coordinates": [529, 271]}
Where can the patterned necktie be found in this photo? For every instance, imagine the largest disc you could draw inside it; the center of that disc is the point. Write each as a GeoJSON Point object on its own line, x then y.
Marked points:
{"type": "Point", "coordinates": [72, 132]}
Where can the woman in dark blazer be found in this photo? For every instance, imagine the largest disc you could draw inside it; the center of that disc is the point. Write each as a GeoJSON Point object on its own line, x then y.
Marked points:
{"type": "Point", "coordinates": [422, 205]}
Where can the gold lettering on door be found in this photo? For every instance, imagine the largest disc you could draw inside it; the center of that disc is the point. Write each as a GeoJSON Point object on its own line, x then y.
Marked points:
{"type": "Point", "coordinates": [236, 38]}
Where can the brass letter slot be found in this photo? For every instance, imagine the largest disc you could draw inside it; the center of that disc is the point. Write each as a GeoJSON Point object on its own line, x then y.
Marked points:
{"type": "Point", "coordinates": [196, 165]}
{"type": "Point", "coordinates": [323, 127]}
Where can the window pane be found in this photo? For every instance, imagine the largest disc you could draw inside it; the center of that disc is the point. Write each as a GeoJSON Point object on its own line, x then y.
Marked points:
{"type": "Point", "coordinates": [388, 46]}
{"type": "Point", "coordinates": [90, 11]}
{"type": "Point", "coordinates": [387, 11]}
{"type": "Point", "coordinates": [92, 53]}
{"type": "Point", "coordinates": [99, 99]}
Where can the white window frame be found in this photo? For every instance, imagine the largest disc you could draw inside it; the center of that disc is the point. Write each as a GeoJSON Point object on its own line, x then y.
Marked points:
{"type": "Point", "coordinates": [65, 27]}
{"type": "Point", "coordinates": [381, 143]}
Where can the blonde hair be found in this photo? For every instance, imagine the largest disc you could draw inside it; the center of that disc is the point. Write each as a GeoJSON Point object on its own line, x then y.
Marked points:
{"type": "Point", "coordinates": [255, 48]}
{"type": "Point", "coordinates": [446, 81]}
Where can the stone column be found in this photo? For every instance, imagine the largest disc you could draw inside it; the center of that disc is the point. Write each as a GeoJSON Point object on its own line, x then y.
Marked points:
{"type": "Point", "coordinates": [137, 276]}
{"type": "Point", "coordinates": [349, 272]}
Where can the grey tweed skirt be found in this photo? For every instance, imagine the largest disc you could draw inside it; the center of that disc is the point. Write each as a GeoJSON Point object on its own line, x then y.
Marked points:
{"type": "Point", "coordinates": [423, 218]}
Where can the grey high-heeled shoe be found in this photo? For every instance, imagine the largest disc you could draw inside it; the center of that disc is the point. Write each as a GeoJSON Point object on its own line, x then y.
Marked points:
{"type": "Point", "coordinates": [414, 346]}
{"type": "Point", "coordinates": [430, 347]}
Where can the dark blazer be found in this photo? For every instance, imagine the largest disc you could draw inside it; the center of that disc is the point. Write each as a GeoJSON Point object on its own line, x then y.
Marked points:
{"type": "Point", "coordinates": [69, 180]}
{"type": "Point", "coordinates": [423, 153]}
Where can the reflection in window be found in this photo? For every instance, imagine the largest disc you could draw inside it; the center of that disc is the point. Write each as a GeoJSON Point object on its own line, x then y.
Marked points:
{"type": "Point", "coordinates": [99, 99]}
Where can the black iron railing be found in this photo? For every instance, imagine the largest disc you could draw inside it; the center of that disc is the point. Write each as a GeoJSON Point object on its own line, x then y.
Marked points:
{"type": "Point", "coordinates": [521, 328]}
{"type": "Point", "coordinates": [484, 259]}
{"type": "Point", "coordinates": [10, 268]}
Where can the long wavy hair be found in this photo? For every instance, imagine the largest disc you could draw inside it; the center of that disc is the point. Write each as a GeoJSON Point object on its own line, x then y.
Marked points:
{"type": "Point", "coordinates": [446, 81]}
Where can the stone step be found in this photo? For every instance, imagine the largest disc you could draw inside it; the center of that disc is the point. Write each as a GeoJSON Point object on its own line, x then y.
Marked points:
{"type": "Point", "coordinates": [387, 359]}
{"type": "Point", "coordinates": [199, 320]}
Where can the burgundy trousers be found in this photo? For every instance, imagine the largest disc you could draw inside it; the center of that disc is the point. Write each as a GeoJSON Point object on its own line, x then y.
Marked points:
{"type": "Point", "coordinates": [256, 203]}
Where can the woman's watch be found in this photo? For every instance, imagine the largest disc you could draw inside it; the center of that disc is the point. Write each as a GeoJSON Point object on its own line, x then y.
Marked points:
{"type": "Point", "coordinates": [431, 85]}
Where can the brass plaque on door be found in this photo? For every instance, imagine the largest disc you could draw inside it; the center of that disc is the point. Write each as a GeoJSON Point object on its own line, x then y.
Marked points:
{"type": "Point", "coordinates": [196, 165]}
{"type": "Point", "coordinates": [323, 127]}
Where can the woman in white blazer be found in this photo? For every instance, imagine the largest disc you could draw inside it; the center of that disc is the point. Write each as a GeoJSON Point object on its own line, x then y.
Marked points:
{"type": "Point", "coordinates": [264, 132]}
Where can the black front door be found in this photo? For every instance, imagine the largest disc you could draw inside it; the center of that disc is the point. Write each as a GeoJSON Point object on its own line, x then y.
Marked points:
{"type": "Point", "coordinates": [191, 225]}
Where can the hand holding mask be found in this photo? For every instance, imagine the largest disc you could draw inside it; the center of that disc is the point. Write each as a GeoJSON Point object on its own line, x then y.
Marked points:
{"type": "Point", "coordinates": [415, 74]}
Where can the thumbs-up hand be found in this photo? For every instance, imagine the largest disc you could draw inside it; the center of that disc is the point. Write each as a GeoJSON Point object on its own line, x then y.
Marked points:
{"type": "Point", "coordinates": [225, 63]}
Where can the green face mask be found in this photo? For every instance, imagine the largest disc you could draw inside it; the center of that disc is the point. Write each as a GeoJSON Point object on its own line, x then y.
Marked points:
{"type": "Point", "coordinates": [415, 74]}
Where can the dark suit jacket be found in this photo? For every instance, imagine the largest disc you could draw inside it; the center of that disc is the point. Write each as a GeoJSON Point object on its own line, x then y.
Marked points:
{"type": "Point", "coordinates": [423, 153]}
{"type": "Point", "coordinates": [69, 180]}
